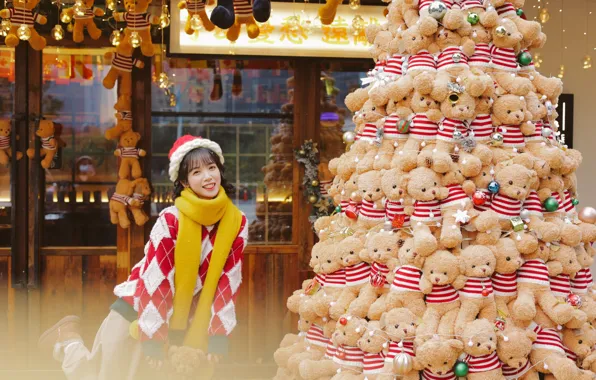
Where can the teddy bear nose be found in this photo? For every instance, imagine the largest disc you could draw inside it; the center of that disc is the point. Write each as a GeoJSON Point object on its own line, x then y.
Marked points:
{"type": "Point", "coordinates": [434, 192]}
{"type": "Point", "coordinates": [520, 363]}
{"type": "Point", "coordinates": [484, 270]}
{"type": "Point", "coordinates": [489, 347]}
{"type": "Point", "coordinates": [518, 192]}
{"type": "Point", "coordinates": [405, 331]}
{"type": "Point", "coordinates": [437, 279]}
{"type": "Point", "coordinates": [428, 103]}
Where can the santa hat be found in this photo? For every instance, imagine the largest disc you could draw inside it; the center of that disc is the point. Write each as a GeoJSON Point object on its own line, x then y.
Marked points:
{"type": "Point", "coordinates": [184, 145]}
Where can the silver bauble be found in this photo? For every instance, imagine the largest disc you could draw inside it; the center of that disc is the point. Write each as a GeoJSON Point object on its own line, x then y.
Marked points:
{"type": "Point", "coordinates": [437, 9]}
{"type": "Point", "coordinates": [402, 363]}
{"type": "Point", "coordinates": [349, 137]}
{"type": "Point", "coordinates": [588, 215]}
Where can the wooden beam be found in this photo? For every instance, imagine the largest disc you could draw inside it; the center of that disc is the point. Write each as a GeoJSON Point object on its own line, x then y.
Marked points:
{"type": "Point", "coordinates": [78, 251]}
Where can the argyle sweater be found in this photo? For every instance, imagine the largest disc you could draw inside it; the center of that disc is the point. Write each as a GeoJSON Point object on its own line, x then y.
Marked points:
{"type": "Point", "coordinates": [150, 287]}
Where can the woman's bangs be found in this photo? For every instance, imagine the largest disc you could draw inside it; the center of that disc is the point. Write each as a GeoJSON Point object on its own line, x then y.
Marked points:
{"type": "Point", "coordinates": [198, 158]}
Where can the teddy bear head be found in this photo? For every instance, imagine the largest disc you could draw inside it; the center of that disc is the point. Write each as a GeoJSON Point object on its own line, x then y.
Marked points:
{"type": "Point", "coordinates": [370, 113]}
{"type": "Point", "coordinates": [380, 49]}
{"type": "Point", "coordinates": [329, 259]}
{"type": "Point", "coordinates": [382, 246]}
{"type": "Point", "coordinates": [46, 128]}
{"type": "Point", "coordinates": [462, 110]}
{"type": "Point", "coordinates": [304, 325]}
{"type": "Point", "coordinates": [506, 34]}
{"type": "Point", "coordinates": [441, 268]}
{"type": "Point", "coordinates": [5, 127]}
{"type": "Point", "coordinates": [514, 345]}
{"type": "Point", "coordinates": [508, 258]}
{"type": "Point", "coordinates": [400, 107]}
{"type": "Point", "coordinates": [454, 176]}
{"type": "Point", "coordinates": [408, 256]}
{"type": "Point", "coordinates": [373, 339]}
{"type": "Point", "coordinates": [438, 355]}
{"type": "Point", "coordinates": [27, 4]}
{"type": "Point", "coordinates": [481, 35]}
{"type": "Point", "coordinates": [445, 38]}
{"type": "Point", "coordinates": [316, 255]}
{"type": "Point", "coordinates": [515, 181]}
{"type": "Point", "coordinates": [399, 324]}
{"type": "Point", "coordinates": [579, 341]}
{"type": "Point", "coordinates": [351, 187]}
{"type": "Point", "coordinates": [423, 184]}
{"type": "Point", "coordinates": [483, 178]}
{"type": "Point", "coordinates": [535, 106]}
{"type": "Point", "coordinates": [542, 252]}
{"type": "Point", "coordinates": [510, 110]}
{"type": "Point", "coordinates": [137, 6]}
{"type": "Point", "coordinates": [142, 186]}
{"type": "Point", "coordinates": [422, 103]}
{"type": "Point", "coordinates": [369, 186]}
{"type": "Point", "coordinates": [553, 182]}
{"type": "Point", "coordinates": [479, 338]}
{"type": "Point", "coordinates": [567, 257]}
{"type": "Point", "coordinates": [348, 330]}
{"type": "Point", "coordinates": [583, 256]}
{"type": "Point", "coordinates": [130, 139]}
{"type": "Point", "coordinates": [484, 104]}
{"type": "Point", "coordinates": [478, 261]}
{"type": "Point", "coordinates": [413, 40]}
{"type": "Point", "coordinates": [322, 225]}
{"type": "Point", "coordinates": [391, 184]}
{"type": "Point", "coordinates": [350, 248]}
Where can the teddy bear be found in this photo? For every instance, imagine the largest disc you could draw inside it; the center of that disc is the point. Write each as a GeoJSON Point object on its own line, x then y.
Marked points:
{"type": "Point", "coordinates": [513, 347]}
{"type": "Point", "coordinates": [487, 16]}
{"type": "Point", "coordinates": [186, 363]}
{"type": "Point", "coordinates": [317, 344]}
{"type": "Point", "coordinates": [21, 14]}
{"type": "Point", "coordinates": [529, 30]}
{"type": "Point", "coordinates": [372, 210]}
{"type": "Point", "coordinates": [424, 186]}
{"type": "Point", "coordinates": [511, 119]}
{"type": "Point", "coordinates": [578, 345]}
{"type": "Point", "coordinates": [440, 278]}
{"type": "Point", "coordinates": [369, 123]}
{"type": "Point", "coordinates": [244, 16]}
{"type": "Point", "coordinates": [533, 288]}
{"type": "Point", "coordinates": [405, 289]}
{"type": "Point", "coordinates": [123, 124]}
{"type": "Point", "coordinates": [452, 19]}
{"type": "Point", "coordinates": [477, 263]}
{"type": "Point", "coordinates": [504, 278]}
{"type": "Point", "coordinates": [84, 21]}
{"type": "Point", "coordinates": [479, 61]}
{"type": "Point", "coordinates": [537, 143]}
{"type": "Point", "coordinates": [138, 21]}
{"type": "Point", "coordinates": [49, 134]}
{"type": "Point", "coordinates": [395, 131]}
{"type": "Point", "coordinates": [503, 59]}
{"type": "Point", "coordinates": [551, 87]}
{"type": "Point", "coordinates": [422, 67]}
{"type": "Point", "coordinates": [5, 149]}
{"type": "Point", "coordinates": [119, 201]}
{"type": "Point", "coordinates": [424, 128]}
{"type": "Point", "coordinates": [327, 12]}
{"type": "Point", "coordinates": [534, 216]}
{"type": "Point", "coordinates": [291, 344]}
{"type": "Point", "coordinates": [381, 252]}
{"type": "Point", "coordinates": [354, 200]}
{"type": "Point", "coordinates": [399, 325]}
{"type": "Point", "coordinates": [195, 8]}
{"type": "Point", "coordinates": [129, 155]}
{"type": "Point", "coordinates": [410, 10]}
{"type": "Point", "coordinates": [372, 343]}
{"type": "Point", "coordinates": [121, 71]}
{"type": "Point", "coordinates": [348, 357]}
{"type": "Point", "coordinates": [396, 198]}
{"type": "Point", "coordinates": [142, 190]}
{"type": "Point", "coordinates": [480, 346]}
{"type": "Point", "coordinates": [438, 356]}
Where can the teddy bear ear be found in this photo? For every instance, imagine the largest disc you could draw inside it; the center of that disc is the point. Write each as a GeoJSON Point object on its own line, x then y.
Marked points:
{"type": "Point", "coordinates": [456, 344]}
{"type": "Point", "coordinates": [462, 264]}
{"type": "Point", "coordinates": [531, 335]}
{"type": "Point", "coordinates": [382, 320]}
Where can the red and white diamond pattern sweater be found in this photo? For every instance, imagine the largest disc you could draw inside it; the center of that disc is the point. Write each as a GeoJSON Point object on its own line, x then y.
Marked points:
{"type": "Point", "coordinates": [582, 281]}
{"type": "Point", "coordinates": [484, 363]}
{"type": "Point", "coordinates": [150, 286]}
{"type": "Point", "coordinates": [406, 279]}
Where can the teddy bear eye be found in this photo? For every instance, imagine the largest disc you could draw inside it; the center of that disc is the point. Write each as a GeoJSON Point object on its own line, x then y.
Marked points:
{"type": "Point", "coordinates": [508, 111]}
{"type": "Point", "coordinates": [477, 344]}
{"type": "Point", "coordinates": [453, 105]}
{"type": "Point", "coordinates": [431, 272]}
{"type": "Point", "coordinates": [397, 326]}
{"type": "Point", "coordinates": [445, 273]}
{"type": "Point", "coordinates": [423, 189]}
{"type": "Point", "coordinates": [473, 266]}
{"type": "Point", "coordinates": [569, 261]}
{"type": "Point", "coordinates": [378, 190]}
{"type": "Point", "coordinates": [388, 249]}
{"type": "Point", "coordinates": [524, 186]}
{"type": "Point", "coordinates": [422, 99]}
{"type": "Point", "coordinates": [509, 34]}
{"type": "Point", "coordinates": [435, 184]}
{"type": "Point", "coordinates": [488, 264]}
{"type": "Point", "coordinates": [491, 338]}
{"type": "Point", "coordinates": [548, 177]}
{"type": "Point", "coordinates": [511, 357]}
{"type": "Point", "coordinates": [345, 334]}
{"type": "Point", "coordinates": [484, 174]}
{"type": "Point", "coordinates": [508, 258]}
{"type": "Point", "coordinates": [408, 250]}
{"type": "Point", "coordinates": [329, 261]}
{"type": "Point", "coordinates": [395, 186]}
{"type": "Point", "coordinates": [511, 182]}
{"type": "Point", "coordinates": [444, 362]}
{"type": "Point", "coordinates": [351, 252]}
{"type": "Point", "coordinates": [364, 191]}
{"type": "Point", "coordinates": [405, 98]}
{"type": "Point", "coordinates": [436, 102]}
{"type": "Point", "coordinates": [430, 365]}
{"type": "Point", "coordinates": [368, 340]}
{"type": "Point", "coordinates": [580, 341]}
{"type": "Point", "coordinates": [317, 256]}
{"type": "Point", "coordinates": [374, 108]}
{"type": "Point", "coordinates": [413, 38]}
{"type": "Point", "coordinates": [376, 250]}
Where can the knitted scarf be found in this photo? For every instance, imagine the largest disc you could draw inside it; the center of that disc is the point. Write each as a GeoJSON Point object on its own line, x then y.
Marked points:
{"type": "Point", "coordinates": [194, 214]}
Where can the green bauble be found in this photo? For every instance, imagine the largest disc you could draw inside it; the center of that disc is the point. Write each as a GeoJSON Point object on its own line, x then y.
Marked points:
{"type": "Point", "coordinates": [473, 18]}
{"type": "Point", "coordinates": [338, 209]}
{"type": "Point", "coordinates": [551, 204]}
{"type": "Point", "coordinates": [460, 369]}
{"type": "Point", "coordinates": [524, 59]}
{"type": "Point", "coordinates": [575, 201]}
{"type": "Point", "coordinates": [520, 12]}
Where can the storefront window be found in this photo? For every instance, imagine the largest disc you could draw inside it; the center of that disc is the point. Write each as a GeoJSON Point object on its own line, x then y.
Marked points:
{"type": "Point", "coordinates": [84, 171]}
{"type": "Point", "coordinates": [246, 107]}
{"type": "Point", "coordinates": [7, 82]}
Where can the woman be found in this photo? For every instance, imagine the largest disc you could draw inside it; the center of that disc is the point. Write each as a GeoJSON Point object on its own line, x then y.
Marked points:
{"type": "Point", "coordinates": [183, 291]}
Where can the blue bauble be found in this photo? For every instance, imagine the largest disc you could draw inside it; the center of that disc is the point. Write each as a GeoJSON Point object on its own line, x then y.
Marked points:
{"type": "Point", "coordinates": [494, 187]}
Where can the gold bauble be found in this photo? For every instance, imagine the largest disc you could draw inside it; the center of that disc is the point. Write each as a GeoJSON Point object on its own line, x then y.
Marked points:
{"type": "Point", "coordinates": [501, 31]}
{"type": "Point", "coordinates": [313, 199]}
{"type": "Point", "coordinates": [588, 215]}
{"type": "Point", "coordinates": [135, 39]}
{"type": "Point", "coordinates": [65, 17]}
{"type": "Point", "coordinates": [349, 137]}
{"type": "Point", "coordinates": [115, 38]}
{"type": "Point", "coordinates": [314, 183]}
{"type": "Point", "coordinates": [354, 4]}
{"type": "Point", "coordinates": [544, 16]}
{"type": "Point", "coordinates": [24, 33]}
{"type": "Point", "coordinates": [58, 32]}
{"type": "Point", "coordinates": [402, 363]}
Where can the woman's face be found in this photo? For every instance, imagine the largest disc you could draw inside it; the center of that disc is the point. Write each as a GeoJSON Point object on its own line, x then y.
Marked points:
{"type": "Point", "coordinates": [204, 180]}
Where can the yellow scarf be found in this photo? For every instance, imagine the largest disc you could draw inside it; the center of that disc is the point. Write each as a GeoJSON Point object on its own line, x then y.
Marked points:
{"type": "Point", "coordinates": [194, 214]}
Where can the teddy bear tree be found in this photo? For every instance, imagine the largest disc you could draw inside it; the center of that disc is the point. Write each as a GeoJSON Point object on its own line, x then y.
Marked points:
{"type": "Point", "coordinates": [456, 248]}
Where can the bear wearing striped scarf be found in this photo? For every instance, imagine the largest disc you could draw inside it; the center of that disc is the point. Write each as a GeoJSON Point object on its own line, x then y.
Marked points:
{"type": "Point", "coordinates": [530, 30]}
{"type": "Point", "coordinates": [129, 155]}
{"type": "Point", "coordinates": [579, 345]}
{"type": "Point", "coordinates": [514, 345]}
{"type": "Point", "coordinates": [400, 325]}
{"type": "Point", "coordinates": [480, 346]}
{"type": "Point", "coordinates": [437, 357]}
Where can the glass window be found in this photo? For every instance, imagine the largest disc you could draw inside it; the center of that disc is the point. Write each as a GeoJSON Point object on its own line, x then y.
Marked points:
{"type": "Point", "coordinates": [84, 171]}
{"type": "Point", "coordinates": [246, 107]}
{"type": "Point", "coordinates": [7, 84]}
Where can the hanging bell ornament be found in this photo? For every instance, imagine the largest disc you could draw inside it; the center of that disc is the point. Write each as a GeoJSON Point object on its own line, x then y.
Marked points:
{"type": "Point", "coordinates": [58, 32]}
{"type": "Point", "coordinates": [196, 23]}
{"type": "Point", "coordinates": [493, 187]}
{"type": "Point", "coordinates": [313, 199]}
{"type": "Point", "coordinates": [479, 198]}
{"type": "Point", "coordinates": [588, 215]}
{"type": "Point", "coordinates": [437, 10]}
{"type": "Point", "coordinates": [524, 214]}
{"type": "Point", "coordinates": [343, 321]}
{"type": "Point", "coordinates": [349, 137]}
{"type": "Point", "coordinates": [574, 300]}
{"type": "Point", "coordinates": [485, 292]}
{"type": "Point", "coordinates": [501, 31]}
{"type": "Point", "coordinates": [314, 183]}
{"type": "Point", "coordinates": [402, 364]}
{"type": "Point", "coordinates": [338, 209]}
{"type": "Point", "coordinates": [65, 17]}
{"type": "Point", "coordinates": [354, 4]}
{"type": "Point", "coordinates": [524, 58]}
{"type": "Point", "coordinates": [164, 17]}
{"type": "Point", "coordinates": [496, 139]}
{"type": "Point", "coordinates": [5, 27]}
{"type": "Point", "coordinates": [473, 18]}
{"type": "Point", "coordinates": [135, 39]}
{"type": "Point", "coordinates": [551, 204]}
{"type": "Point", "coordinates": [163, 80]}
{"type": "Point", "coordinates": [111, 5]}
{"type": "Point", "coordinates": [24, 33]}
{"type": "Point", "coordinates": [460, 369]}
{"type": "Point", "coordinates": [457, 135]}
{"type": "Point", "coordinates": [115, 38]}
{"type": "Point", "coordinates": [544, 16]}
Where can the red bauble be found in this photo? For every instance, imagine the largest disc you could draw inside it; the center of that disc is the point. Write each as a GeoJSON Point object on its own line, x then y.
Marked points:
{"type": "Point", "coordinates": [479, 198]}
{"type": "Point", "coordinates": [341, 355]}
{"type": "Point", "coordinates": [351, 212]}
{"type": "Point", "coordinates": [343, 321]}
{"type": "Point", "coordinates": [398, 221]}
{"type": "Point", "coordinates": [377, 280]}
{"type": "Point", "coordinates": [485, 293]}
{"type": "Point", "coordinates": [574, 300]}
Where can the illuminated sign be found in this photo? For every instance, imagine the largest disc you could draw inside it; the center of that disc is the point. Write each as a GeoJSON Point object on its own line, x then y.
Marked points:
{"type": "Point", "coordinates": [287, 33]}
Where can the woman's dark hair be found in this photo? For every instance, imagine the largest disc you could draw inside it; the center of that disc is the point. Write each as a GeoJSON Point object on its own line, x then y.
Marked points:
{"type": "Point", "coordinates": [198, 157]}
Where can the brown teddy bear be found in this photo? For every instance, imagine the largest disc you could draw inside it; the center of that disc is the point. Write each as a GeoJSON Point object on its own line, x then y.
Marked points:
{"type": "Point", "coordinates": [399, 325]}
{"type": "Point", "coordinates": [354, 200]}
{"type": "Point", "coordinates": [438, 356]}
{"type": "Point", "coordinates": [534, 216]}
{"type": "Point", "coordinates": [578, 345]}
{"type": "Point", "coordinates": [405, 289]}
{"type": "Point", "coordinates": [129, 155]}
{"type": "Point", "coordinates": [186, 363]}
{"type": "Point", "coordinates": [530, 30]}
{"type": "Point", "coordinates": [440, 278]}
{"type": "Point", "coordinates": [195, 8]}
{"type": "Point", "coordinates": [395, 131]}
{"type": "Point", "coordinates": [504, 278]}
{"type": "Point", "coordinates": [538, 143]}
{"type": "Point", "coordinates": [372, 209]}
{"type": "Point", "coordinates": [138, 21]}
{"type": "Point", "coordinates": [513, 347]}
{"type": "Point", "coordinates": [332, 268]}
{"type": "Point", "coordinates": [49, 133]}
{"type": "Point", "coordinates": [372, 343]}
{"type": "Point", "coordinates": [477, 263]}
{"type": "Point", "coordinates": [422, 66]}
{"type": "Point", "coordinates": [119, 201]}
{"type": "Point", "coordinates": [21, 13]}
{"type": "Point", "coordinates": [121, 71]}
{"type": "Point", "coordinates": [396, 198]}
{"type": "Point", "coordinates": [480, 346]}
{"type": "Point", "coordinates": [123, 124]}
{"type": "Point", "coordinates": [370, 121]}
{"type": "Point", "coordinates": [511, 118]}
{"type": "Point", "coordinates": [85, 21]}
{"type": "Point", "coordinates": [142, 190]}
{"type": "Point", "coordinates": [5, 149]}
{"type": "Point", "coordinates": [551, 87]}
{"type": "Point", "coordinates": [244, 16]}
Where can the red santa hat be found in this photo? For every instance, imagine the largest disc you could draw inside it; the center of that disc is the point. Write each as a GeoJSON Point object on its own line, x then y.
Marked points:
{"type": "Point", "coordinates": [184, 145]}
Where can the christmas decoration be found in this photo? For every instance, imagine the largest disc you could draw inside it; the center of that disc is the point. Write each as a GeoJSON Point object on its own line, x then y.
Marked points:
{"type": "Point", "coordinates": [544, 15]}
{"type": "Point", "coordinates": [588, 215]}
{"type": "Point", "coordinates": [524, 58]}
{"type": "Point", "coordinates": [461, 216]}
{"type": "Point", "coordinates": [402, 363]}
{"type": "Point", "coordinates": [461, 369]}
{"type": "Point", "coordinates": [493, 187]}
{"type": "Point", "coordinates": [551, 204]}
{"type": "Point", "coordinates": [307, 155]}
